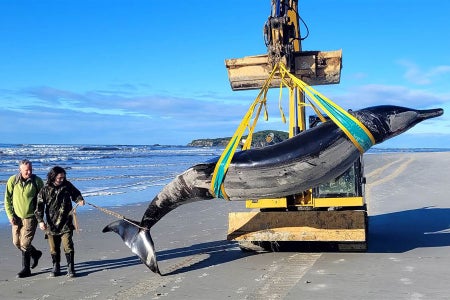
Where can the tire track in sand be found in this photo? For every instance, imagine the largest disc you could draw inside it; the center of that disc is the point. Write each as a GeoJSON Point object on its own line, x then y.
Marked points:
{"type": "Point", "coordinates": [144, 288]}
{"type": "Point", "coordinates": [283, 275]}
{"type": "Point", "coordinates": [150, 288]}
{"type": "Point", "coordinates": [377, 178]}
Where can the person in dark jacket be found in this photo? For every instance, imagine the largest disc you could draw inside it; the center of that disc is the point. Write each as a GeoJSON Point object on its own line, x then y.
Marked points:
{"type": "Point", "coordinates": [55, 199]}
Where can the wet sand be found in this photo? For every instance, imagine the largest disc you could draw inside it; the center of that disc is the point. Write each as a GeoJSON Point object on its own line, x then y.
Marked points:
{"type": "Point", "coordinates": [408, 256]}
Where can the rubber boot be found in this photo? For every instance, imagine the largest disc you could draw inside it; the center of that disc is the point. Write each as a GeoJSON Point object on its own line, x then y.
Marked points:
{"type": "Point", "coordinates": [25, 265]}
{"type": "Point", "coordinates": [56, 258]}
{"type": "Point", "coordinates": [35, 255]}
{"type": "Point", "coordinates": [70, 264]}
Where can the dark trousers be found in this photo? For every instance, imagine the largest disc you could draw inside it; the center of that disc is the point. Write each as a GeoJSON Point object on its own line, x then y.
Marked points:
{"type": "Point", "coordinates": [54, 241]}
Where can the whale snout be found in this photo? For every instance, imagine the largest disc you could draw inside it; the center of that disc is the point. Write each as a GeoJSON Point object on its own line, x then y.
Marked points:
{"type": "Point", "coordinates": [430, 113]}
{"type": "Point", "coordinates": [387, 121]}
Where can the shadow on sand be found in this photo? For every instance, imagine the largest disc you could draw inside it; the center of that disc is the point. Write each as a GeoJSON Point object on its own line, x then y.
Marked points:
{"type": "Point", "coordinates": [195, 257]}
{"type": "Point", "coordinates": [388, 233]}
{"type": "Point", "coordinates": [410, 229]}
{"type": "Point", "coordinates": [88, 267]}
{"type": "Point", "coordinates": [201, 256]}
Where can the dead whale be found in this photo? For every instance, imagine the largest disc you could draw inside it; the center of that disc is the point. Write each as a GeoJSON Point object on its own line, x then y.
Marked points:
{"type": "Point", "coordinates": [310, 158]}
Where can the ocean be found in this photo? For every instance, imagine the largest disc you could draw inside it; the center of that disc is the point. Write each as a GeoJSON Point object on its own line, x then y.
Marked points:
{"type": "Point", "coordinates": [115, 175]}
{"type": "Point", "coordinates": [107, 176]}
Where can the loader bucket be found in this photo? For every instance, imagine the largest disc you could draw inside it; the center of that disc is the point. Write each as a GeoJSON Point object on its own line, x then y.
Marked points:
{"type": "Point", "coordinates": [313, 67]}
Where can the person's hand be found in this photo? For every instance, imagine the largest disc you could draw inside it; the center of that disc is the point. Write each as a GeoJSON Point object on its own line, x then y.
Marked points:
{"type": "Point", "coordinates": [42, 226]}
{"type": "Point", "coordinates": [82, 202]}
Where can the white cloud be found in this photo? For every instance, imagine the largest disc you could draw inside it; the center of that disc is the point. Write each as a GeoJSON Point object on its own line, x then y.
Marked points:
{"type": "Point", "coordinates": [418, 76]}
{"type": "Point", "coordinates": [377, 94]}
{"type": "Point", "coordinates": [58, 116]}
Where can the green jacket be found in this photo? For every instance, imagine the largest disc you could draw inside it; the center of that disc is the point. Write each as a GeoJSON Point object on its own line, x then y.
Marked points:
{"type": "Point", "coordinates": [56, 203]}
{"type": "Point", "coordinates": [21, 195]}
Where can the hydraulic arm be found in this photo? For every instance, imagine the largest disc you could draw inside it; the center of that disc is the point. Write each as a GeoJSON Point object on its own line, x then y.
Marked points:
{"type": "Point", "coordinates": [283, 41]}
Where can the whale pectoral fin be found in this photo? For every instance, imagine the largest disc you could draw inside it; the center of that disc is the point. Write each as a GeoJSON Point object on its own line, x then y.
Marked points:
{"type": "Point", "coordinates": [138, 240]}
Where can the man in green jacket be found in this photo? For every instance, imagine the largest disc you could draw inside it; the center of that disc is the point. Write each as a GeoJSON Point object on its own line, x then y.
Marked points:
{"type": "Point", "coordinates": [20, 203]}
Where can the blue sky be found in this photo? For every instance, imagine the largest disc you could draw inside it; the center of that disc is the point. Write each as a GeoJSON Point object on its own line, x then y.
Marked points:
{"type": "Point", "coordinates": [149, 72]}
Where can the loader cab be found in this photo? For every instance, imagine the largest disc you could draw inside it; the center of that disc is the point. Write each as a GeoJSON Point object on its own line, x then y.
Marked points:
{"type": "Point", "coordinates": [349, 184]}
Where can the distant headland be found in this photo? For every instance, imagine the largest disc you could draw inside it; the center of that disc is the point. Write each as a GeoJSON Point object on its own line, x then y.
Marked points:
{"type": "Point", "coordinates": [260, 139]}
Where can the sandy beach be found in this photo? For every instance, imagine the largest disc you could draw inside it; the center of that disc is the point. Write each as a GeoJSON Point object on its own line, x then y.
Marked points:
{"type": "Point", "coordinates": [408, 256]}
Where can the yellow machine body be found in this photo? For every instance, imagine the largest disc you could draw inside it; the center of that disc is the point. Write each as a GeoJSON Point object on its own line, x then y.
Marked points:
{"type": "Point", "coordinates": [326, 213]}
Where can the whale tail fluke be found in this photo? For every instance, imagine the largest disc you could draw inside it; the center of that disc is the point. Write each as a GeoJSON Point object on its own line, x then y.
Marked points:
{"type": "Point", "coordinates": [138, 240]}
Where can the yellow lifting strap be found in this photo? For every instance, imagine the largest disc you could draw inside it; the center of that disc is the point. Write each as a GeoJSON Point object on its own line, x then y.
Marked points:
{"type": "Point", "coordinates": [356, 131]}
{"type": "Point", "coordinates": [224, 161]}
{"type": "Point", "coordinates": [352, 127]}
